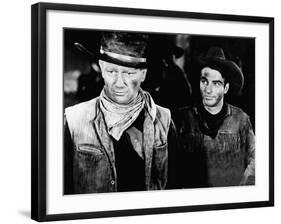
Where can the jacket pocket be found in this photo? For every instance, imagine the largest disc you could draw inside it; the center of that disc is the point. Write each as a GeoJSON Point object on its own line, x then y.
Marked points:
{"type": "Point", "coordinates": [225, 153]}
{"type": "Point", "coordinates": [161, 165]}
{"type": "Point", "coordinates": [161, 147]}
{"type": "Point", "coordinates": [91, 149]}
{"type": "Point", "coordinates": [89, 155]}
{"type": "Point", "coordinates": [161, 153]}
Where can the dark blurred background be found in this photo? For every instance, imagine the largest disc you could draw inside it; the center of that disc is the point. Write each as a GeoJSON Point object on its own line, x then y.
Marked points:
{"type": "Point", "coordinates": [173, 74]}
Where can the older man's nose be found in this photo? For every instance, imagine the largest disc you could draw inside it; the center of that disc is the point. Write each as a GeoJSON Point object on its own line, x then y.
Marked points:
{"type": "Point", "coordinates": [119, 80]}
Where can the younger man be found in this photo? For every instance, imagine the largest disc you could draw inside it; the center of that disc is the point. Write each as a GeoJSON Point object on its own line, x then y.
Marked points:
{"type": "Point", "coordinates": [217, 137]}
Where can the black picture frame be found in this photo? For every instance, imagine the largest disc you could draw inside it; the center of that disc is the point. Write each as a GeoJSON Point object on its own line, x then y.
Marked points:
{"type": "Point", "coordinates": [40, 122]}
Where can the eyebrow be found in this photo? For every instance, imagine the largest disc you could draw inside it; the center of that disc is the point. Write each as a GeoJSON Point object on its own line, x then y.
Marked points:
{"type": "Point", "coordinates": [217, 81]}
{"type": "Point", "coordinates": [203, 78]}
{"type": "Point", "coordinates": [213, 81]}
{"type": "Point", "coordinates": [129, 70]}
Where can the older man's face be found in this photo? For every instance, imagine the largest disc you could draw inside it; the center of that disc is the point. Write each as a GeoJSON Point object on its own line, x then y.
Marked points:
{"type": "Point", "coordinates": [122, 83]}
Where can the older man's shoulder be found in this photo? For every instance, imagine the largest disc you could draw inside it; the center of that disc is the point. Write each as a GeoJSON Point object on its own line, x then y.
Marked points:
{"type": "Point", "coordinates": [162, 110]}
{"type": "Point", "coordinates": [87, 108]}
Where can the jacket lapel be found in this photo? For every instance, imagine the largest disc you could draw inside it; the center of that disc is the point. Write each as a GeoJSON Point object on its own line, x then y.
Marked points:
{"type": "Point", "coordinates": [148, 142]}
{"type": "Point", "coordinates": [104, 138]}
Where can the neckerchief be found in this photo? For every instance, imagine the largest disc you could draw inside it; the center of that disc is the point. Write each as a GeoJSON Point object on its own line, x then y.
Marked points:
{"type": "Point", "coordinates": [119, 117]}
{"type": "Point", "coordinates": [210, 123]}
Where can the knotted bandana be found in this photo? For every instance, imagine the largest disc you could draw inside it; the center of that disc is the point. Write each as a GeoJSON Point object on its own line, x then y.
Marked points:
{"type": "Point", "coordinates": [119, 117]}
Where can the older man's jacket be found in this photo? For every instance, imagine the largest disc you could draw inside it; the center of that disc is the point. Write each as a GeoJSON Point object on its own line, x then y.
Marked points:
{"type": "Point", "coordinates": [89, 160]}
{"type": "Point", "coordinates": [226, 159]}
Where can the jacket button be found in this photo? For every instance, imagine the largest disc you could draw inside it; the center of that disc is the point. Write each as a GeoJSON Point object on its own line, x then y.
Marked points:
{"type": "Point", "coordinates": [112, 182]}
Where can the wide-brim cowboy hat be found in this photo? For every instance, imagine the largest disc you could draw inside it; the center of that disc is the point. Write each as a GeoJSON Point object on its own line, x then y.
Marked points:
{"type": "Point", "coordinates": [229, 70]}
{"type": "Point", "coordinates": [121, 48]}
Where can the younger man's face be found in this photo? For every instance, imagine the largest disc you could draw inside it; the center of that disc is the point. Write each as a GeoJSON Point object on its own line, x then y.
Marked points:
{"type": "Point", "coordinates": [212, 87]}
{"type": "Point", "coordinates": [121, 84]}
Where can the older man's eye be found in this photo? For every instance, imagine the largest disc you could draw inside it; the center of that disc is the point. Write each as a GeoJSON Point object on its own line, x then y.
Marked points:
{"type": "Point", "coordinates": [130, 73]}
{"type": "Point", "coordinates": [110, 72]}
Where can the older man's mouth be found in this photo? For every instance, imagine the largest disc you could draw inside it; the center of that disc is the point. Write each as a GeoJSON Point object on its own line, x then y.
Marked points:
{"type": "Point", "coordinates": [119, 93]}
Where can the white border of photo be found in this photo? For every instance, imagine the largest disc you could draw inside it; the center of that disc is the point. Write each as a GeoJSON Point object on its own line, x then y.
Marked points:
{"type": "Point", "coordinates": [58, 203]}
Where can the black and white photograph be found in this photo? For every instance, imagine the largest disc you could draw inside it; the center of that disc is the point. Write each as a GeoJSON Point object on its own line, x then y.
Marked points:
{"type": "Point", "coordinates": [146, 111]}
{"type": "Point", "coordinates": [141, 112]}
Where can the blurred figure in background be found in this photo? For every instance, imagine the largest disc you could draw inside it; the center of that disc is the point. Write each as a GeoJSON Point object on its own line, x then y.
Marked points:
{"type": "Point", "coordinates": [82, 75]}
{"type": "Point", "coordinates": [90, 83]}
{"type": "Point", "coordinates": [167, 82]}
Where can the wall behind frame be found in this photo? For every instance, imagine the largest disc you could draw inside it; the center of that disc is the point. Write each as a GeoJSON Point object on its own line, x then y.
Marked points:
{"type": "Point", "coordinates": [15, 111]}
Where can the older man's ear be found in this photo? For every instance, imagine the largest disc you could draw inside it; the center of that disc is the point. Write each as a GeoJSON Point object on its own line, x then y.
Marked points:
{"type": "Point", "coordinates": [101, 64]}
{"type": "Point", "coordinates": [144, 71]}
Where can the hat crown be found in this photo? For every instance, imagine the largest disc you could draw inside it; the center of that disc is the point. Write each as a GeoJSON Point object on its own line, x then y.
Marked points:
{"type": "Point", "coordinates": [127, 49]}
{"type": "Point", "coordinates": [216, 53]}
{"type": "Point", "coordinates": [215, 59]}
{"type": "Point", "coordinates": [129, 44]}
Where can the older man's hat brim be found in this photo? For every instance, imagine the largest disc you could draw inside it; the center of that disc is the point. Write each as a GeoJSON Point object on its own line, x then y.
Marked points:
{"type": "Point", "coordinates": [132, 63]}
{"type": "Point", "coordinates": [85, 52]}
{"type": "Point", "coordinates": [94, 57]}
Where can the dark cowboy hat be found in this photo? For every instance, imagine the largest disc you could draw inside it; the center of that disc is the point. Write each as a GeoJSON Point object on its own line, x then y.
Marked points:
{"type": "Point", "coordinates": [127, 49]}
{"type": "Point", "coordinates": [229, 70]}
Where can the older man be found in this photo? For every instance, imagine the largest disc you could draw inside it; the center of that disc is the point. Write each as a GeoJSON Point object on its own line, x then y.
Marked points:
{"type": "Point", "coordinates": [218, 138]}
{"type": "Point", "coordinates": [121, 140]}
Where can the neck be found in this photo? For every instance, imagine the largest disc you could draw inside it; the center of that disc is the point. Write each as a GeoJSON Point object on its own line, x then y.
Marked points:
{"type": "Point", "coordinates": [129, 103]}
{"type": "Point", "coordinates": [214, 110]}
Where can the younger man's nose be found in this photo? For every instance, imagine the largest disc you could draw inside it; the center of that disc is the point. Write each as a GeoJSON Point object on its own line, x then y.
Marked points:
{"type": "Point", "coordinates": [208, 89]}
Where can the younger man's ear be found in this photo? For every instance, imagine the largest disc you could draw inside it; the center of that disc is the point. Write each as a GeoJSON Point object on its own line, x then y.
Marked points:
{"type": "Point", "coordinates": [226, 88]}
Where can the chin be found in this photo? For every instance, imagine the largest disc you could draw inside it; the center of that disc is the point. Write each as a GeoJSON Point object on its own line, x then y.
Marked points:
{"type": "Point", "coordinates": [209, 104]}
{"type": "Point", "coordinates": [121, 100]}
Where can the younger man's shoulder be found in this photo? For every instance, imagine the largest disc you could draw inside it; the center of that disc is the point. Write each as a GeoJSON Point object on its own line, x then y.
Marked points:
{"type": "Point", "coordinates": [192, 110]}
{"type": "Point", "coordinates": [184, 114]}
{"type": "Point", "coordinates": [186, 110]}
{"type": "Point", "coordinates": [237, 111]}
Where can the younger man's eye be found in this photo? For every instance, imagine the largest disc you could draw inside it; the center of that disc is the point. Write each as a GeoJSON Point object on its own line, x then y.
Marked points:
{"type": "Point", "coordinates": [203, 81]}
{"type": "Point", "coordinates": [218, 83]}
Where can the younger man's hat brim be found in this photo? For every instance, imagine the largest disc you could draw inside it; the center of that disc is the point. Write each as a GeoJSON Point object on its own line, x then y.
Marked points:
{"type": "Point", "coordinates": [230, 71]}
